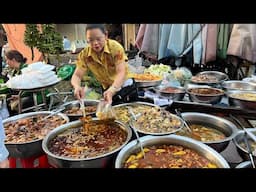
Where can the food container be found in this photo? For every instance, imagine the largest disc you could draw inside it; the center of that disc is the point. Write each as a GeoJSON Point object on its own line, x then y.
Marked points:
{"type": "Point", "coordinates": [228, 128]}
{"type": "Point", "coordinates": [247, 103]}
{"type": "Point", "coordinates": [219, 77]}
{"type": "Point", "coordinates": [239, 139]}
{"type": "Point", "coordinates": [147, 141]}
{"type": "Point", "coordinates": [174, 93]}
{"type": "Point", "coordinates": [205, 95]}
{"type": "Point", "coordinates": [238, 85]}
{"type": "Point", "coordinates": [75, 104]}
{"type": "Point", "coordinates": [99, 161]}
{"type": "Point", "coordinates": [30, 148]}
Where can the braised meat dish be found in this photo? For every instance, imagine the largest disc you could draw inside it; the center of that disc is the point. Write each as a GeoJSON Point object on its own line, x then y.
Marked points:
{"type": "Point", "coordinates": [91, 140]}
{"type": "Point", "coordinates": [31, 128]}
{"type": "Point", "coordinates": [202, 78]}
{"type": "Point", "coordinates": [205, 91]}
{"type": "Point", "coordinates": [78, 111]}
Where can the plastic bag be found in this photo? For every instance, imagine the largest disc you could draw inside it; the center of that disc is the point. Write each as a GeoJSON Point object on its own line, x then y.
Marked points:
{"type": "Point", "coordinates": [105, 111]}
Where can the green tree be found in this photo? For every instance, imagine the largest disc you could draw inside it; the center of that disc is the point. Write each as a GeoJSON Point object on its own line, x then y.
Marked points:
{"type": "Point", "coordinates": [48, 41]}
{"type": "Point", "coordinates": [31, 37]}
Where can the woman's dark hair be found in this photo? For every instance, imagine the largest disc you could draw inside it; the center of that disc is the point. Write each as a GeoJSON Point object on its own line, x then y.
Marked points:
{"type": "Point", "coordinates": [14, 54]}
{"type": "Point", "coordinates": [96, 26]}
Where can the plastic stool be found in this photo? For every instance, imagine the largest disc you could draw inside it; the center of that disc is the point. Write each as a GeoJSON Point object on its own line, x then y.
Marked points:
{"type": "Point", "coordinates": [29, 162]}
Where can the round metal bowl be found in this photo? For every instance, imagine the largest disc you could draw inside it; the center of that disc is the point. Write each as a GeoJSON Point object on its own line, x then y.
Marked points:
{"type": "Point", "coordinates": [75, 103]}
{"type": "Point", "coordinates": [223, 125]}
{"type": "Point", "coordinates": [238, 85]}
{"type": "Point", "coordinates": [31, 148]}
{"type": "Point", "coordinates": [176, 96]}
{"type": "Point", "coordinates": [142, 132]}
{"type": "Point", "coordinates": [134, 104]}
{"type": "Point", "coordinates": [149, 140]}
{"type": "Point", "coordinates": [219, 75]}
{"type": "Point", "coordinates": [92, 162]}
{"type": "Point", "coordinates": [205, 98]}
{"type": "Point", "coordinates": [239, 139]}
{"type": "Point", "coordinates": [241, 103]}
{"type": "Point", "coordinates": [245, 164]}
{"type": "Point", "coordinates": [143, 84]}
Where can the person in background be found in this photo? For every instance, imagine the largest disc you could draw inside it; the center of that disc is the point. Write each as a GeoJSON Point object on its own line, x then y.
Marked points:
{"type": "Point", "coordinates": [2, 43]}
{"type": "Point", "coordinates": [4, 163]}
{"type": "Point", "coordinates": [105, 58]}
{"type": "Point", "coordinates": [66, 43]}
{"type": "Point", "coordinates": [15, 60]}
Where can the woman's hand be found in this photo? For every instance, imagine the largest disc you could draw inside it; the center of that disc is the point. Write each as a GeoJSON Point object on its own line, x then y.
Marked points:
{"type": "Point", "coordinates": [4, 163]}
{"type": "Point", "coordinates": [108, 94]}
{"type": "Point", "coordinates": [79, 92]}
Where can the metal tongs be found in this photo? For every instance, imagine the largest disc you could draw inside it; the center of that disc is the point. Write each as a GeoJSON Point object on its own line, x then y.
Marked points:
{"type": "Point", "coordinates": [251, 135]}
{"type": "Point", "coordinates": [134, 118]}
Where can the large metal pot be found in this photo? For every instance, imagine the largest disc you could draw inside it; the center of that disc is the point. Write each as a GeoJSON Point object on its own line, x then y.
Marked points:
{"type": "Point", "coordinates": [238, 139]}
{"type": "Point", "coordinates": [223, 125]}
{"type": "Point", "coordinates": [149, 140]}
{"type": "Point", "coordinates": [238, 85]}
{"type": "Point", "coordinates": [32, 148]}
{"type": "Point", "coordinates": [241, 103]}
{"type": "Point", "coordinates": [221, 77]}
{"type": "Point", "coordinates": [75, 103]}
{"type": "Point", "coordinates": [93, 162]}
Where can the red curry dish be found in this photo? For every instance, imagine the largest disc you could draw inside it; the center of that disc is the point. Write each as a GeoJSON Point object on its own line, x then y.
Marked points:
{"type": "Point", "coordinates": [78, 143]}
{"type": "Point", "coordinates": [168, 156]}
{"type": "Point", "coordinates": [31, 128]}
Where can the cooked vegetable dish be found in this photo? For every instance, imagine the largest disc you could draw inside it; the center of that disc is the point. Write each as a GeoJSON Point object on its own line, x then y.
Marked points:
{"type": "Point", "coordinates": [168, 156]}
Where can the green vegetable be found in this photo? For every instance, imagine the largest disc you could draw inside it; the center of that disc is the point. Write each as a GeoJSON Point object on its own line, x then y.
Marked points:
{"type": "Point", "coordinates": [158, 69]}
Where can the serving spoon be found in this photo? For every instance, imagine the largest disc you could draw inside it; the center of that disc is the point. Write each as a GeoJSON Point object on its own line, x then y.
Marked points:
{"type": "Point", "coordinates": [251, 135]}
{"type": "Point", "coordinates": [134, 118]}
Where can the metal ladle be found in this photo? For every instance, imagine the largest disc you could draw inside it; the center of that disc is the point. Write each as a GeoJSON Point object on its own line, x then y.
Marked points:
{"type": "Point", "coordinates": [249, 150]}
{"type": "Point", "coordinates": [134, 117]}
{"type": "Point", "coordinates": [52, 114]}
{"type": "Point", "coordinates": [251, 135]}
{"type": "Point", "coordinates": [185, 123]}
{"type": "Point", "coordinates": [82, 107]}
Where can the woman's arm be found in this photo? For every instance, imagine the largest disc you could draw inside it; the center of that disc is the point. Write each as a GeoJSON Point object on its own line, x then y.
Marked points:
{"type": "Point", "coordinates": [118, 82]}
{"type": "Point", "coordinates": [76, 82]}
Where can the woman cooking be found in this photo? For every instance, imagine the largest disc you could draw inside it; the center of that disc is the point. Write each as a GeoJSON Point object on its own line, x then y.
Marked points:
{"type": "Point", "coordinates": [105, 58]}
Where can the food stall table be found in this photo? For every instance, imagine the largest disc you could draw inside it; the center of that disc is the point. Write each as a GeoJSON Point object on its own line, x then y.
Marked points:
{"type": "Point", "coordinates": [34, 92]}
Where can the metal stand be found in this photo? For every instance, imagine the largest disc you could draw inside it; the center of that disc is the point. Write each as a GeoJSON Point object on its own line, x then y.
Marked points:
{"type": "Point", "coordinates": [36, 106]}
{"type": "Point", "coordinates": [34, 91]}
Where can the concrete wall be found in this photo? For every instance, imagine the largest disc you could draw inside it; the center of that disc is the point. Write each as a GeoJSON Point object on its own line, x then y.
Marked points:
{"type": "Point", "coordinates": [72, 31]}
